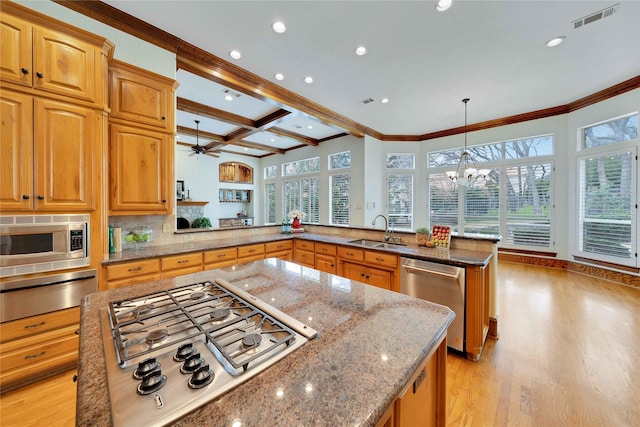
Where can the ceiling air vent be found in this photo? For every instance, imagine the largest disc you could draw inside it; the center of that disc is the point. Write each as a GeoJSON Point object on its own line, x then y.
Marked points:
{"type": "Point", "coordinates": [604, 13]}
{"type": "Point", "coordinates": [367, 101]}
{"type": "Point", "coordinates": [231, 92]}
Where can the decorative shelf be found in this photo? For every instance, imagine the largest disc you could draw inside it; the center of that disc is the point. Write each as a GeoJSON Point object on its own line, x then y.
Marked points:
{"type": "Point", "coordinates": [191, 203]}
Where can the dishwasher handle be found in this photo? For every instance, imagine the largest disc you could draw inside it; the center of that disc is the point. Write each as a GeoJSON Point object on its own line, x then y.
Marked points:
{"type": "Point", "coordinates": [418, 270]}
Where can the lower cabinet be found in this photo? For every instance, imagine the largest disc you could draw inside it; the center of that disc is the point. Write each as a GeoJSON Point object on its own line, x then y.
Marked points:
{"type": "Point", "coordinates": [368, 275]}
{"type": "Point", "coordinates": [304, 253]}
{"type": "Point", "coordinates": [358, 264]}
{"type": "Point", "coordinates": [220, 258]}
{"type": "Point", "coordinates": [282, 249]}
{"type": "Point", "coordinates": [249, 253]}
{"type": "Point", "coordinates": [36, 347]}
{"type": "Point", "coordinates": [326, 258]}
{"type": "Point", "coordinates": [177, 265]}
{"type": "Point", "coordinates": [132, 273]}
{"type": "Point", "coordinates": [478, 280]}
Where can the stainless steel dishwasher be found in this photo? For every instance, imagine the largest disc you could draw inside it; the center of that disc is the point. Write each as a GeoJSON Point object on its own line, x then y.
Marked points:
{"type": "Point", "coordinates": [439, 283]}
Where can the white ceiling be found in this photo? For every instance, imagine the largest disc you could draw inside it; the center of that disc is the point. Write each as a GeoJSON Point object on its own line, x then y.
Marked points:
{"type": "Point", "coordinates": [424, 61]}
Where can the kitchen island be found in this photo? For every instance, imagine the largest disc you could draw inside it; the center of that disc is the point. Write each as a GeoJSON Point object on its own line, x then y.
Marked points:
{"type": "Point", "coordinates": [372, 347]}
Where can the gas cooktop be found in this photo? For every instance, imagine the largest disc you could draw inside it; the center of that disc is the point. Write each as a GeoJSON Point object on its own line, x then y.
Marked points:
{"type": "Point", "coordinates": [170, 352]}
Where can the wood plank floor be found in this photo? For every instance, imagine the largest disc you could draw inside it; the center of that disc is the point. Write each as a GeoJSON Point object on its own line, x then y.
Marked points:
{"type": "Point", "coordinates": [566, 357]}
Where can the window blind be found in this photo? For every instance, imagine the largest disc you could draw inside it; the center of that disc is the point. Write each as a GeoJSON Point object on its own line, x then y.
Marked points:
{"type": "Point", "coordinates": [339, 198]}
{"type": "Point", "coordinates": [400, 201]}
{"type": "Point", "coordinates": [482, 206]}
{"type": "Point", "coordinates": [270, 202]}
{"type": "Point", "coordinates": [443, 201]}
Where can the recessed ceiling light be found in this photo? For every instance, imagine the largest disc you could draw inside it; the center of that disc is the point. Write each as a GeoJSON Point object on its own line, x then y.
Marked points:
{"type": "Point", "coordinates": [272, 140]}
{"type": "Point", "coordinates": [442, 5]}
{"type": "Point", "coordinates": [235, 54]}
{"type": "Point", "coordinates": [361, 50]}
{"type": "Point", "coordinates": [308, 80]}
{"type": "Point", "coordinates": [309, 127]}
{"type": "Point", "coordinates": [555, 41]}
{"type": "Point", "coordinates": [228, 97]}
{"type": "Point", "coordinates": [279, 27]}
{"type": "Point", "coordinates": [279, 76]}
{"type": "Point", "coordinates": [384, 100]}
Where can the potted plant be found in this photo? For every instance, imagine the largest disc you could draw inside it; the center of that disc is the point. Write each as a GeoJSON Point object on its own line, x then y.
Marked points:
{"type": "Point", "coordinates": [423, 235]}
{"type": "Point", "coordinates": [202, 222]}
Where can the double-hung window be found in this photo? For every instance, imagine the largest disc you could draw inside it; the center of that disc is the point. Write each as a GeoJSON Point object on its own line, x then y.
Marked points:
{"type": "Point", "coordinates": [339, 188]}
{"type": "Point", "coordinates": [400, 173]}
{"type": "Point", "coordinates": [270, 174]}
{"type": "Point", "coordinates": [607, 191]}
{"type": "Point", "coordinates": [300, 188]}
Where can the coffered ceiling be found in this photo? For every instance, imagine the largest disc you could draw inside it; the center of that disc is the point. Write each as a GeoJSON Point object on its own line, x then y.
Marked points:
{"type": "Point", "coordinates": [423, 61]}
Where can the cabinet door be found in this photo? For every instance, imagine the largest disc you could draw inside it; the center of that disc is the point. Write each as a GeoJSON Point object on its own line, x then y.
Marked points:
{"type": "Point", "coordinates": [353, 272]}
{"type": "Point", "coordinates": [139, 96]}
{"type": "Point", "coordinates": [64, 64]}
{"type": "Point", "coordinates": [15, 55]}
{"type": "Point", "coordinates": [326, 263]}
{"type": "Point", "coordinates": [16, 151]}
{"type": "Point", "coordinates": [379, 278]}
{"type": "Point", "coordinates": [64, 146]}
{"type": "Point", "coordinates": [140, 171]}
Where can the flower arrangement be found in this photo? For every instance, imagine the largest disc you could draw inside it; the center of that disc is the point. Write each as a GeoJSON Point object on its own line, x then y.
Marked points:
{"type": "Point", "coordinates": [297, 216]}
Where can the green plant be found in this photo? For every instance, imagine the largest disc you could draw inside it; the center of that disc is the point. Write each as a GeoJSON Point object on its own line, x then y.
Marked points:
{"type": "Point", "coordinates": [202, 222]}
{"type": "Point", "coordinates": [423, 230]}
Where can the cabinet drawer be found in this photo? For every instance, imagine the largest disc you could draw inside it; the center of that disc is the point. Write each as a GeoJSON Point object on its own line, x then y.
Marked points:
{"type": "Point", "coordinates": [220, 255]}
{"type": "Point", "coordinates": [350, 253]}
{"type": "Point", "coordinates": [181, 261]}
{"type": "Point", "coordinates": [325, 249]}
{"type": "Point", "coordinates": [282, 245]}
{"type": "Point", "coordinates": [251, 250]}
{"type": "Point", "coordinates": [22, 328]}
{"type": "Point", "coordinates": [134, 280]}
{"type": "Point", "coordinates": [305, 245]}
{"type": "Point", "coordinates": [38, 349]}
{"type": "Point", "coordinates": [380, 259]}
{"type": "Point", "coordinates": [304, 258]}
{"type": "Point", "coordinates": [133, 269]}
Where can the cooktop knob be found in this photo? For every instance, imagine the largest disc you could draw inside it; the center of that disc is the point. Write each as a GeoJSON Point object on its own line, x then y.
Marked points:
{"type": "Point", "coordinates": [184, 351]}
{"type": "Point", "coordinates": [201, 377]}
{"type": "Point", "coordinates": [146, 366]}
{"type": "Point", "coordinates": [152, 382]}
{"type": "Point", "coordinates": [192, 363]}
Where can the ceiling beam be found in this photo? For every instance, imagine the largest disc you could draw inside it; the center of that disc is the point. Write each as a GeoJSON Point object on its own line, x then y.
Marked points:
{"type": "Point", "coordinates": [199, 133]}
{"type": "Point", "coordinates": [292, 135]}
{"type": "Point", "coordinates": [262, 147]}
{"type": "Point", "coordinates": [193, 107]}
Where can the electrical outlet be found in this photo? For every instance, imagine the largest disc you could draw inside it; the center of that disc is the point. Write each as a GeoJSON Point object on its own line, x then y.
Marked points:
{"type": "Point", "coordinates": [166, 227]}
{"type": "Point", "coordinates": [188, 237]}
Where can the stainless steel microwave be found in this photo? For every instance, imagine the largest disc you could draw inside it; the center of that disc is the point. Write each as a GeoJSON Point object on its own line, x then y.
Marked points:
{"type": "Point", "coordinates": [42, 243]}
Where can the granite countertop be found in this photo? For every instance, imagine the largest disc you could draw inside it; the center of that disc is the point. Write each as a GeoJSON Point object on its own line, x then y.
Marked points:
{"type": "Point", "coordinates": [369, 343]}
{"type": "Point", "coordinates": [456, 257]}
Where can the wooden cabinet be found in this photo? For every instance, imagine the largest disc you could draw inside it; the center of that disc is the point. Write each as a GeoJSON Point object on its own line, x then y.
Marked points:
{"type": "Point", "coordinates": [140, 171]}
{"type": "Point", "coordinates": [51, 60]}
{"type": "Point", "coordinates": [34, 347]}
{"type": "Point", "coordinates": [177, 265]}
{"type": "Point", "coordinates": [220, 258]}
{"type": "Point", "coordinates": [304, 253]}
{"type": "Point", "coordinates": [372, 267]}
{"type": "Point", "coordinates": [141, 141]}
{"type": "Point", "coordinates": [235, 172]}
{"type": "Point", "coordinates": [136, 96]}
{"type": "Point", "coordinates": [250, 253]}
{"type": "Point", "coordinates": [48, 152]}
{"type": "Point", "coordinates": [282, 249]}
{"type": "Point", "coordinates": [478, 279]}
{"type": "Point", "coordinates": [132, 273]}
{"type": "Point", "coordinates": [325, 258]}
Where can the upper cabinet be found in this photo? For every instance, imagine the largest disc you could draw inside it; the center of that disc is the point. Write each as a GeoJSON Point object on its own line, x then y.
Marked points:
{"type": "Point", "coordinates": [140, 98]}
{"type": "Point", "coordinates": [236, 172]}
{"type": "Point", "coordinates": [56, 61]}
{"type": "Point", "coordinates": [141, 141]}
{"type": "Point", "coordinates": [52, 99]}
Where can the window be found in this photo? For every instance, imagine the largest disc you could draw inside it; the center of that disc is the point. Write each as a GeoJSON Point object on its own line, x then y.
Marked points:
{"type": "Point", "coordinates": [443, 201]}
{"type": "Point", "coordinates": [339, 199]}
{"type": "Point", "coordinates": [302, 194]}
{"type": "Point", "coordinates": [401, 161]}
{"type": "Point", "coordinates": [301, 167]}
{"type": "Point", "coordinates": [270, 172]}
{"type": "Point", "coordinates": [339, 188]}
{"type": "Point", "coordinates": [270, 202]}
{"type": "Point", "coordinates": [400, 201]}
{"type": "Point", "coordinates": [482, 206]}
{"type": "Point", "coordinates": [606, 225]}
{"type": "Point", "coordinates": [610, 132]}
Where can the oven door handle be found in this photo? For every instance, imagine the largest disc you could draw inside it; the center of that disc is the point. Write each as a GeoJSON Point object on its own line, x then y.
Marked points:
{"type": "Point", "coordinates": [417, 270]}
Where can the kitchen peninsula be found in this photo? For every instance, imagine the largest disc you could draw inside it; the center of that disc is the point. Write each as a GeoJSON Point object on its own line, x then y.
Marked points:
{"type": "Point", "coordinates": [372, 347]}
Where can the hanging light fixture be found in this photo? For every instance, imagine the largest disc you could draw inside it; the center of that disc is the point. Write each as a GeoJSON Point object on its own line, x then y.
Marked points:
{"type": "Point", "coordinates": [466, 172]}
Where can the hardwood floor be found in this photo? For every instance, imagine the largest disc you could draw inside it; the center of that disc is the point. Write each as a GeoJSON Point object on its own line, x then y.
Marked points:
{"type": "Point", "coordinates": [566, 357]}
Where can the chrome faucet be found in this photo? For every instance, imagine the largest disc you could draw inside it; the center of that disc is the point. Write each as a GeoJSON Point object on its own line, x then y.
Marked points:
{"type": "Point", "coordinates": [386, 226]}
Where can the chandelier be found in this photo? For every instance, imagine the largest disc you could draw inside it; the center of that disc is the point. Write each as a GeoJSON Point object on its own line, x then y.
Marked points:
{"type": "Point", "coordinates": [466, 172]}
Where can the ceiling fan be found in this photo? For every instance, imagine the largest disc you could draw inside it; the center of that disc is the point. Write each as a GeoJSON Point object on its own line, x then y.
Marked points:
{"type": "Point", "coordinates": [197, 149]}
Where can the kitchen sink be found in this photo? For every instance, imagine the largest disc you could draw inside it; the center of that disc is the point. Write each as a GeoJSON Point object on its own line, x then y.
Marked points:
{"type": "Point", "coordinates": [375, 243]}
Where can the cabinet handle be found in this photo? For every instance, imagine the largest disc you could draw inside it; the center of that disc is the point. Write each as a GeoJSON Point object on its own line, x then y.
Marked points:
{"type": "Point", "coordinates": [25, 197]}
{"type": "Point", "coordinates": [164, 201]}
{"type": "Point", "coordinates": [417, 382]}
{"type": "Point", "coordinates": [34, 325]}
{"type": "Point", "coordinates": [24, 71]}
{"type": "Point", "coordinates": [40, 197]}
{"type": "Point", "coordinates": [133, 270]}
{"type": "Point", "coordinates": [222, 255]}
{"type": "Point", "coordinates": [183, 261]}
{"type": "Point", "coordinates": [251, 251]}
{"type": "Point", "coordinates": [39, 75]}
{"type": "Point", "coordinates": [361, 274]}
{"type": "Point", "coordinates": [379, 259]}
{"type": "Point", "coordinates": [29, 356]}
{"type": "Point", "coordinates": [164, 118]}
{"type": "Point", "coordinates": [332, 265]}
{"type": "Point", "coordinates": [77, 332]}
